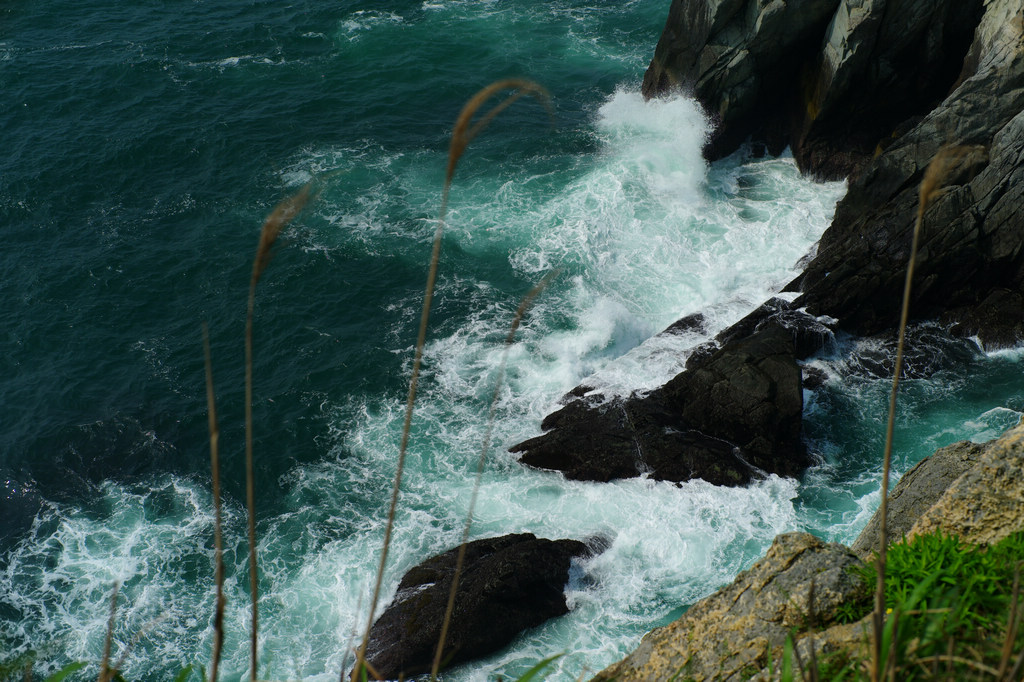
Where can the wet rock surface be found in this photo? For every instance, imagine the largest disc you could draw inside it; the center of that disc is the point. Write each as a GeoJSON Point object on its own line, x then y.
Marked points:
{"type": "Point", "coordinates": [735, 414]}
{"type": "Point", "coordinates": [508, 584]}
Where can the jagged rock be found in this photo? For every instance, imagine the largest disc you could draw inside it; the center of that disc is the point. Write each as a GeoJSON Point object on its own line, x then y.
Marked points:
{"type": "Point", "coordinates": [882, 63]}
{"type": "Point", "coordinates": [735, 414]}
{"type": "Point", "coordinates": [730, 635]}
{"type": "Point", "coordinates": [986, 503]}
{"type": "Point", "coordinates": [917, 491]}
{"type": "Point", "coordinates": [742, 60]}
{"type": "Point", "coordinates": [508, 584]}
{"type": "Point", "coordinates": [833, 78]}
{"type": "Point", "coordinates": [972, 243]}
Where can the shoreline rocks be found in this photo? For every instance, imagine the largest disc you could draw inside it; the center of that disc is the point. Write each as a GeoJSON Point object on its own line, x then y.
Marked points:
{"type": "Point", "coordinates": [706, 421]}
{"type": "Point", "coordinates": [736, 414]}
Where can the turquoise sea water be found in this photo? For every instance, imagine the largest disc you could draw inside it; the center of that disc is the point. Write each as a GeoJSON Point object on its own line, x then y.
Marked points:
{"type": "Point", "coordinates": [143, 146]}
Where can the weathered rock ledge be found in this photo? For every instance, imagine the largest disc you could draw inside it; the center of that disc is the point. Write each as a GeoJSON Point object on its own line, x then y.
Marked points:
{"type": "Point", "coordinates": [973, 491]}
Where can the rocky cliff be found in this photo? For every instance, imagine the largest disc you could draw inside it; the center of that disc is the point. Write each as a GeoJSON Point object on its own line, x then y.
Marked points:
{"type": "Point", "coordinates": [869, 87]}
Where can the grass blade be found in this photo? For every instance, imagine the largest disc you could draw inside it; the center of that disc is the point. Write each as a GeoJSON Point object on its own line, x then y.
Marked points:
{"type": "Point", "coordinates": [214, 429]}
{"type": "Point", "coordinates": [941, 165]}
{"type": "Point", "coordinates": [524, 305]}
{"type": "Point", "coordinates": [462, 135]}
{"type": "Point", "coordinates": [278, 219]}
{"type": "Point", "coordinates": [105, 661]}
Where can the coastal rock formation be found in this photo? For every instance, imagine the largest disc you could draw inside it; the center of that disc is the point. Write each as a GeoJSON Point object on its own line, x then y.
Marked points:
{"type": "Point", "coordinates": [730, 635]}
{"type": "Point", "coordinates": [834, 79]}
{"type": "Point", "coordinates": [986, 503]}
{"type": "Point", "coordinates": [970, 267]}
{"type": "Point", "coordinates": [508, 584]}
{"type": "Point", "coordinates": [735, 413]}
{"type": "Point", "coordinates": [935, 74]}
{"type": "Point", "coordinates": [736, 55]}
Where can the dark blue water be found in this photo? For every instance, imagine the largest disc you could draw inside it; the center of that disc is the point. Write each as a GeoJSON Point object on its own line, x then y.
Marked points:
{"type": "Point", "coordinates": [143, 147]}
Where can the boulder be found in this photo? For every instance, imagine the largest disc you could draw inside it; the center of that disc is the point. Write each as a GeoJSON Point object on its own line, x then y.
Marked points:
{"type": "Point", "coordinates": [733, 415]}
{"type": "Point", "coordinates": [508, 584]}
{"type": "Point", "coordinates": [731, 635]}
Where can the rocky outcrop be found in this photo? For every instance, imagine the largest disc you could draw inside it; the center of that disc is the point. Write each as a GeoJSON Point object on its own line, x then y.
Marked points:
{"type": "Point", "coordinates": [736, 412]}
{"type": "Point", "coordinates": [936, 72]}
{"type": "Point", "coordinates": [986, 503]}
{"type": "Point", "coordinates": [970, 267]}
{"type": "Point", "coordinates": [917, 491]}
{"type": "Point", "coordinates": [732, 634]}
{"type": "Point", "coordinates": [736, 55]}
{"type": "Point", "coordinates": [508, 584]}
{"type": "Point", "coordinates": [835, 79]}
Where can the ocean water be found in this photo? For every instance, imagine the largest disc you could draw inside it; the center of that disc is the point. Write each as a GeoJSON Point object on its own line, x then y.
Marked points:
{"type": "Point", "coordinates": [145, 144]}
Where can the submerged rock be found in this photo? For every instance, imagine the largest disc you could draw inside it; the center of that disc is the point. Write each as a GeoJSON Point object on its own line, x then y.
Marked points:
{"type": "Point", "coordinates": [508, 584]}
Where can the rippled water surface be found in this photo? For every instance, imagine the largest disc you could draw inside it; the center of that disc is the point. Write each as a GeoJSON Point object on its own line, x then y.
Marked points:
{"type": "Point", "coordinates": [144, 146]}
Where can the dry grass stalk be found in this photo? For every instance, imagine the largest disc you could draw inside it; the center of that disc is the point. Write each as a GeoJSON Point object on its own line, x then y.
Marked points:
{"type": "Point", "coordinates": [1012, 626]}
{"type": "Point", "coordinates": [524, 305]}
{"type": "Point", "coordinates": [211, 409]}
{"type": "Point", "coordinates": [462, 135]}
{"type": "Point", "coordinates": [940, 167]}
{"type": "Point", "coordinates": [278, 219]}
{"type": "Point", "coordinates": [105, 672]}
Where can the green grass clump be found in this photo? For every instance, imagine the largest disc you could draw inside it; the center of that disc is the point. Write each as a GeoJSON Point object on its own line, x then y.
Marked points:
{"type": "Point", "coordinates": [952, 612]}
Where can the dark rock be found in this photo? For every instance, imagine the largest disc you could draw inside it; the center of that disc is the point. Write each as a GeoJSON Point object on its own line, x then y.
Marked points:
{"type": "Point", "coordinates": [814, 377]}
{"type": "Point", "coordinates": [736, 415]}
{"type": "Point", "coordinates": [927, 349]}
{"type": "Point", "coordinates": [742, 60]}
{"type": "Point", "coordinates": [695, 322]}
{"type": "Point", "coordinates": [917, 491]}
{"type": "Point", "coordinates": [997, 321]}
{"type": "Point", "coordinates": [508, 584]}
{"type": "Point", "coordinates": [882, 63]}
{"type": "Point", "coordinates": [810, 334]}
{"type": "Point", "coordinates": [835, 79]}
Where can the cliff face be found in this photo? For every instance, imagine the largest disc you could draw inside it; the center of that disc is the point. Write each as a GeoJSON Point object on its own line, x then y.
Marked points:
{"type": "Point", "coordinates": [831, 78]}
{"type": "Point", "coordinates": [975, 492]}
